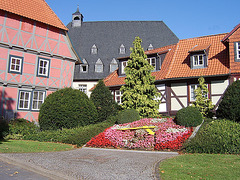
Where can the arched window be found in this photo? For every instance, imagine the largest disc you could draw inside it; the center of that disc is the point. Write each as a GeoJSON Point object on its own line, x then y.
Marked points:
{"type": "Point", "coordinates": [94, 49]}
{"type": "Point", "coordinates": [113, 65]}
{"type": "Point", "coordinates": [99, 66]}
{"type": "Point", "coordinates": [84, 66]}
{"type": "Point", "coordinates": [76, 18]}
{"type": "Point", "coordinates": [122, 49]}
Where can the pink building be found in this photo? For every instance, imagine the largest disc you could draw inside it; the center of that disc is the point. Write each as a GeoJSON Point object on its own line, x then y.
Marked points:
{"type": "Point", "coordinates": [36, 57]}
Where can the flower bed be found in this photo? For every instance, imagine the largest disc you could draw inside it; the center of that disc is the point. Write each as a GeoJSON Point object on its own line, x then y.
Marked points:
{"type": "Point", "coordinates": [167, 135]}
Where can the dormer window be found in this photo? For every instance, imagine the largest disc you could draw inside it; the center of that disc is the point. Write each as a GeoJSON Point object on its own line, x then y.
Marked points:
{"type": "Point", "coordinates": [152, 61]}
{"type": "Point", "coordinates": [99, 66]}
{"type": "Point", "coordinates": [113, 65]}
{"type": "Point", "coordinates": [84, 66]}
{"type": "Point", "coordinates": [123, 65]}
{"type": "Point", "coordinates": [94, 49]}
{"type": "Point", "coordinates": [122, 49]}
{"type": "Point", "coordinates": [237, 51]}
{"type": "Point", "coordinates": [150, 47]}
{"type": "Point", "coordinates": [198, 56]}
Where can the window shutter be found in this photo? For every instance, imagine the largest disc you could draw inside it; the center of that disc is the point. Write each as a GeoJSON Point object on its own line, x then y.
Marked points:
{"type": "Point", "coordinates": [191, 62]}
{"type": "Point", "coordinates": [235, 51]}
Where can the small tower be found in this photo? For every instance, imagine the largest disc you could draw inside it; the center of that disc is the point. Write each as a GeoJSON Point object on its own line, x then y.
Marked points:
{"type": "Point", "coordinates": [77, 18]}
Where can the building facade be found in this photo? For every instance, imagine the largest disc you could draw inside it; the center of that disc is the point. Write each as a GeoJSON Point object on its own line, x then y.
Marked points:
{"type": "Point", "coordinates": [99, 44]}
{"type": "Point", "coordinates": [36, 57]}
{"type": "Point", "coordinates": [178, 67]}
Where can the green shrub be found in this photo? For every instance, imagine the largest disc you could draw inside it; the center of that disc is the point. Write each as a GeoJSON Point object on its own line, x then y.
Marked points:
{"type": "Point", "coordinates": [103, 101]}
{"type": "Point", "coordinates": [4, 128]}
{"type": "Point", "coordinates": [67, 108]}
{"type": "Point", "coordinates": [77, 136]}
{"type": "Point", "coordinates": [127, 116]}
{"type": "Point", "coordinates": [21, 127]}
{"type": "Point", "coordinates": [189, 117]}
{"type": "Point", "coordinates": [229, 107]}
{"type": "Point", "coordinates": [220, 136]}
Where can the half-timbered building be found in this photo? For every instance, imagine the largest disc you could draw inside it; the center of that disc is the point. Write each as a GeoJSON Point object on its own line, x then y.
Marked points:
{"type": "Point", "coordinates": [178, 67]}
{"type": "Point", "coordinates": [36, 57]}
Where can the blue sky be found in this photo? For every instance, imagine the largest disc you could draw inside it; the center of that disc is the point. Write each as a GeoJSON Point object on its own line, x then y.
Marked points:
{"type": "Point", "coordinates": [186, 18]}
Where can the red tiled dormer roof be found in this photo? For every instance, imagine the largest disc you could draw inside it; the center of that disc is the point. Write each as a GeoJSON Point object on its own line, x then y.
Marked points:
{"type": "Point", "coordinates": [37, 10]}
{"type": "Point", "coordinates": [177, 60]}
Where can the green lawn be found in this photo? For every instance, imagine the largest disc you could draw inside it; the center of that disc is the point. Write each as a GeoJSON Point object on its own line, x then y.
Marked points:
{"type": "Point", "coordinates": [201, 166]}
{"type": "Point", "coordinates": [20, 146]}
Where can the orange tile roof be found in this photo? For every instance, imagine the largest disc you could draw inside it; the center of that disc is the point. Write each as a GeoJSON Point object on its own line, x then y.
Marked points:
{"type": "Point", "coordinates": [197, 48]}
{"type": "Point", "coordinates": [37, 10]}
{"type": "Point", "coordinates": [177, 60]}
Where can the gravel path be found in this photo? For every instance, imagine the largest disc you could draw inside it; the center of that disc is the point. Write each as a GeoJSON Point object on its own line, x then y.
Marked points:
{"type": "Point", "coordinates": [91, 163]}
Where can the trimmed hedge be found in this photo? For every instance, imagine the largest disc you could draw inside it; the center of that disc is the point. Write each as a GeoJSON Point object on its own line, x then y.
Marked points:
{"type": "Point", "coordinates": [189, 117]}
{"type": "Point", "coordinates": [4, 128]}
{"type": "Point", "coordinates": [220, 136]}
{"type": "Point", "coordinates": [124, 116]}
{"type": "Point", "coordinates": [66, 108]}
{"type": "Point", "coordinates": [229, 107]}
{"type": "Point", "coordinates": [76, 136]}
{"type": "Point", "coordinates": [103, 101]}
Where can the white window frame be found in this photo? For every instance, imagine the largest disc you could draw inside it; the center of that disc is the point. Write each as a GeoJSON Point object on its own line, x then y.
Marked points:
{"type": "Point", "coordinates": [123, 65]}
{"type": "Point", "coordinates": [94, 49]}
{"type": "Point", "coordinates": [38, 99]}
{"type": "Point", "coordinates": [16, 66]}
{"type": "Point", "coordinates": [23, 102]}
{"type": "Point", "coordinates": [150, 60]}
{"type": "Point", "coordinates": [43, 69]}
{"type": "Point", "coordinates": [82, 68]}
{"type": "Point", "coordinates": [197, 61]}
{"type": "Point", "coordinates": [238, 50]}
{"type": "Point", "coordinates": [83, 88]}
{"type": "Point", "coordinates": [99, 66]}
{"type": "Point", "coordinates": [118, 96]}
{"type": "Point", "coordinates": [122, 49]}
{"type": "Point", "coordinates": [113, 65]}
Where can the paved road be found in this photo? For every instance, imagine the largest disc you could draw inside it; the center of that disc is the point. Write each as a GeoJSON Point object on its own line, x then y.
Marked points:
{"type": "Point", "coordinates": [13, 172]}
{"type": "Point", "coordinates": [91, 163]}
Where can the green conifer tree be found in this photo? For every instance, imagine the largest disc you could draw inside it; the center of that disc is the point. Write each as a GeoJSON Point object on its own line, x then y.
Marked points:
{"type": "Point", "coordinates": [139, 92]}
{"type": "Point", "coordinates": [202, 102]}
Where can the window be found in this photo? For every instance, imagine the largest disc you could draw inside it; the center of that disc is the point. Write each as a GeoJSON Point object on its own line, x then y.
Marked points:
{"type": "Point", "coordinates": [37, 99]}
{"type": "Point", "coordinates": [122, 49]}
{"type": "Point", "coordinates": [99, 66]}
{"type": "Point", "coordinates": [150, 47]}
{"type": "Point", "coordinates": [118, 95]}
{"type": "Point", "coordinates": [94, 49]}
{"type": "Point", "coordinates": [113, 65]}
{"type": "Point", "coordinates": [24, 100]}
{"type": "Point", "coordinates": [84, 66]}
{"type": "Point", "coordinates": [237, 51]}
{"type": "Point", "coordinates": [152, 61]}
{"type": "Point", "coordinates": [15, 64]}
{"type": "Point", "coordinates": [124, 64]}
{"type": "Point", "coordinates": [198, 60]}
{"type": "Point", "coordinates": [83, 88]}
{"type": "Point", "coordinates": [43, 67]}
{"type": "Point", "coordinates": [193, 87]}
{"type": "Point", "coordinates": [30, 100]}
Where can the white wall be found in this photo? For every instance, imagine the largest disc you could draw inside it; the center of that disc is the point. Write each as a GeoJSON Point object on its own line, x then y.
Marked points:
{"type": "Point", "coordinates": [89, 84]}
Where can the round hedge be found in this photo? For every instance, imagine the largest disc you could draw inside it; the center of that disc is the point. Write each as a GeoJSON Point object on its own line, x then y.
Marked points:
{"type": "Point", "coordinates": [66, 108]}
{"type": "Point", "coordinates": [189, 117]}
{"type": "Point", "coordinates": [127, 116]}
{"type": "Point", "coordinates": [229, 107]}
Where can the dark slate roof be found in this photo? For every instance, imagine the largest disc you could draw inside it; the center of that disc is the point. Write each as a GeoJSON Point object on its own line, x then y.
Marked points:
{"type": "Point", "coordinates": [108, 37]}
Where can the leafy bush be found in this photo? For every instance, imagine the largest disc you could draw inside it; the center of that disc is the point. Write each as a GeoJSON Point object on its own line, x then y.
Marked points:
{"type": "Point", "coordinates": [189, 117]}
{"type": "Point", "coordinates": [103, 101]}
{"type": "Point", "coordinates": [229, 107]}
{"type": "Point", "coordinates": [4, 128]}
{"type": "Point", "coordinates": [77, 136]}
{"type": "Point", "coordinates": [220, 136]}
{"type": "Point", "coordinates": [127, 116]}
{"type": "Point", "coordinates": [21, 127]}
{"type": "Point", "coordinates": [66, 108]}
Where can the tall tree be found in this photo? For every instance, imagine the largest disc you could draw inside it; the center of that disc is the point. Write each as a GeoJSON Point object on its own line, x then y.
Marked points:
{"type": "Point", "coordinates": [139, 91]}
{"type": "Point", "coordinates": [202, 102]}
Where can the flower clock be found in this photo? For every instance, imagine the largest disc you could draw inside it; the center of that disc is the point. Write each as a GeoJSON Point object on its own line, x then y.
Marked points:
{"type": "Point", "coordinates": [148, 134]}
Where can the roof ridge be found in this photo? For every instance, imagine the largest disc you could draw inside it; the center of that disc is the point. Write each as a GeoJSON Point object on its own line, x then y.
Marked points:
{"type": "Point", "coordinates": [172, 61]}
{"type": "Point", "coordinates": [121, 21]}
{"type": "Point", "coordinates": [203, 36]}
